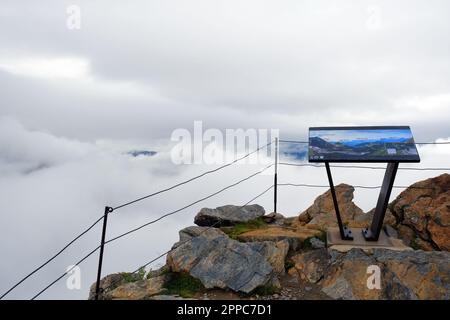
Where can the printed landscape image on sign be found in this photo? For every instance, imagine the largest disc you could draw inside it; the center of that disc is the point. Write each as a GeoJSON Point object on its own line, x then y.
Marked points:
{"type": "Point", "coordinates": [362, 144]}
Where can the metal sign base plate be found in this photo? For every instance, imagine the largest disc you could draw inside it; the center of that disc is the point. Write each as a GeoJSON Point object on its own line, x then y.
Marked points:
{"type": "Point", "coordinates": [334, 238]}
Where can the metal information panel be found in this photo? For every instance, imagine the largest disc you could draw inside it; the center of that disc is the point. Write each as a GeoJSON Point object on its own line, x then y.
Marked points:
{"type": "Point", "coordinates": [363, 144]}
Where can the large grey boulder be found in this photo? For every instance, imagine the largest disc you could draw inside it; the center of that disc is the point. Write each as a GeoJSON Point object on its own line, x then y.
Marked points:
{"type": "Point", "coordinates": [228, 215]}
{"type": "Point", "coordinates": [274, 252]}
{"type": "Point", "coordinates": [220, 262]}
{"type": "Point", "coordinates": [188, 233]}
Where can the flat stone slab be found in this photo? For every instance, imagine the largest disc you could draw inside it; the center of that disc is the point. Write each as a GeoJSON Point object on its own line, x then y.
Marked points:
{"type": "Point", "coordinates": [295, 237]}
{"type": "Point", "coordinates": [228, 215]}
{"type": "Point", "coordinates": [335, 242]}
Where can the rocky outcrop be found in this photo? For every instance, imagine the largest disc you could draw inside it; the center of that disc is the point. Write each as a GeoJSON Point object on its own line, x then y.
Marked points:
{"type": "Point", "coordinates": [404, 274]}
{"type": "Point", "coordinates": [274, 252]}
{"type": "Point", "coordinates": [321, 215]}
{"type": "Point", "coordinates": [346, 278]}
{"type": "Point", "coordinates": [111, 282]}
{"type": "Point", "coordinates": [295, 237]}
{"type": "Point", "coordinates": [316, 243]}
{"type": "Point", "coordinates": [188, 233]}
{"type": "Point", "coordinates": [310, 266]}
{"type": "Point", "coordinates": [220, 262]}
{"type": "Point", "coordinates": [266, 245]}
{"type": "Point", "coordinates": [420, 214]}
{"type": "Point", "coordinates": [228, 215]}
{"type": "Point", "coordinates": [139, 290]}
{"type": "Point", "coordinates": [274, 218]}
{"type": "Point", "coordinates": [365, 220]}
{"type": "Point", "coordinates": [423, 214]}
{"type": "Point", "coordinates": [426, 274]}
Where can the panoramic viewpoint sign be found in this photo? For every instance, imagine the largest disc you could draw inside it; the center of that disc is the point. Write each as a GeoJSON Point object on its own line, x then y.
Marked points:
{"type": "Point", "coordinates": [362, 144]}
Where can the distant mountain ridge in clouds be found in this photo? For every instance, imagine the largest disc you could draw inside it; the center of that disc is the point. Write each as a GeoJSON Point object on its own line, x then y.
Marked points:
{"type": "Point", "coordinates": [294, 151]}
{"type": "Point", "coordinates": [143, 153]}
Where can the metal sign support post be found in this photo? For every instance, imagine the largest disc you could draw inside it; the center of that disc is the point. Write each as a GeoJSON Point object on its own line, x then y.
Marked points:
{"type": "Point", "coordinates": [346, 234]}
{"type": "Point", "coordinates": [102, 245]}
{"type": "Point", "coordinates": [367, 144]}
{"type": "Point", "coordinates": [373, 233]}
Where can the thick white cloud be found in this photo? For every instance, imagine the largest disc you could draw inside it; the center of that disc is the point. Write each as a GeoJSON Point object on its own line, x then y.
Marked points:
{"type": "Point", "coordinates": [54, 187]}
{"type": "Point", "coordinates": [269, 64]}
{"type": "Point", "coordinates": [74, 100]}
{"type": "Point", "coordinates": [59, 68]}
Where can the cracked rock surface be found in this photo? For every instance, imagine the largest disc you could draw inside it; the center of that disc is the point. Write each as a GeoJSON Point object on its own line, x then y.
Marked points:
{"type": "Point", "coordinates": [403, 274]}
{"type": "Point", "coordinates": [220, 262]}
{"type": "Point", "coordinates": [423, 213]}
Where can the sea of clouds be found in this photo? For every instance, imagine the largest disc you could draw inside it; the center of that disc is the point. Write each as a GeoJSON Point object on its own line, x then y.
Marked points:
{"type": "Point", "coordinates": [53, 187]}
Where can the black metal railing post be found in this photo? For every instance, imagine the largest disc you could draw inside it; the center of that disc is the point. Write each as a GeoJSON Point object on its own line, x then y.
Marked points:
{"type": "Point", "coordinates": [275, 177]}
{"type": "Point", "coordinates": [102, 245]}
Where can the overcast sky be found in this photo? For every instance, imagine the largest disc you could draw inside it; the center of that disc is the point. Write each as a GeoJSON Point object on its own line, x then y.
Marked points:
{"type": "Point", "coordinates": [74, 100]}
